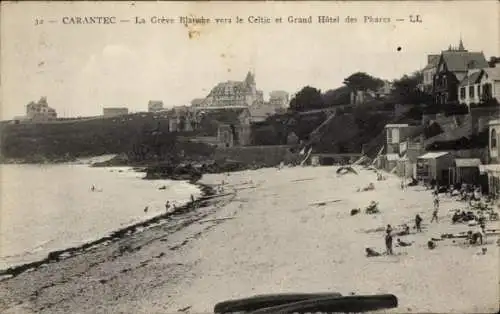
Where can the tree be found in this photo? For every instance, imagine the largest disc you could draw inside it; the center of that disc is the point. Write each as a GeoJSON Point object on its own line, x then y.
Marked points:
{"type": "Point", "coordinates": [493, 61]}
{"type": "Point", "coordinates": [406, 91]}
{"type": "Point", "coordinates": [308, 98]}
{"type": "Point", "coordinates": [338, 96]}
{"type": "Point", "coordinates": [363, 82]}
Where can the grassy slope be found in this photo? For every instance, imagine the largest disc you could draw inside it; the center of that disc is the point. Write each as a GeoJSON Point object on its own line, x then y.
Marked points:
{"type": "Point", "coordinates": [81, 138]}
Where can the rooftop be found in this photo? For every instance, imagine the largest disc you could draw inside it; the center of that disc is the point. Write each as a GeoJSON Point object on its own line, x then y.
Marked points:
{"type": "Point", "coordinates": [433, 155]}
{"type": "Point", "coordinates": [467, 162]}
{"type": "Point", "coordinates": [461, 61]}
{"type": "Point", "coordinates": [490, 168]}
{"type": "Point", "coordinates": [471, 78]}
{"type": "Point", "coordinates": [403, 125]}
{"type": "Point", "coordinates": [494, 122]}
{"type": "Point", "coordinates": [492, 73]}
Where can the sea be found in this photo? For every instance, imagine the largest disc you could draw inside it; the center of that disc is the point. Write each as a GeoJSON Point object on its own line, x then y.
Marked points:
{"type": "Point", "coordinates": [51, 207]}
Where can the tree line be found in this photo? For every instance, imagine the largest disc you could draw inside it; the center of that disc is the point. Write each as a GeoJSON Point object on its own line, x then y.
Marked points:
{"type": "Point", "coordinates": [404, 90]}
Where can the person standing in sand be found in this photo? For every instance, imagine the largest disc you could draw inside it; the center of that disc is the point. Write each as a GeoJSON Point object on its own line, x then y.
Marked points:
{"type": "Point", "coordinates": [435, 215]}
{"type": "Point", "coordinates": [436, 207]}
{"type": "Point", "coordinates": [418, 222]}
{"type": "Point", "coordinates": [388, 240]}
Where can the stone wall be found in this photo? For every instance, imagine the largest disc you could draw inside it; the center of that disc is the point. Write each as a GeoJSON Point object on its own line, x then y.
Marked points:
{"type": "Point", "coordinates": [260, 155]}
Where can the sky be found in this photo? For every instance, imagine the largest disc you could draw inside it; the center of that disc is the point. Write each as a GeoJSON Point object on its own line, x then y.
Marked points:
{"type": "Point", "coordinates": [83, 68]}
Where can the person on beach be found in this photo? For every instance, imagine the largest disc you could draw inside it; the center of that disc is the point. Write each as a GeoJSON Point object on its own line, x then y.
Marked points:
{"type": "Point", "coordinates": [436, 200]}
{"type": "Point", "coordinates": [371, 252]}
{"type": "Point", "coordinates": [403, 243]}
{"type": "Point", "coordinates": [406, 230]}
{"type": "Point", "coordinates": [92, 188]}
{"type": "Point", "coordinates": [167, 206]}
{"type": "Point", "coordinates": [418, 222]}
{"type": "Point", "coordinates": [431, 245]}
{"type": "Point", "coordinates": [388, 240]}
{"type": "Point", "coordinates": [436, 207]}
{"type": "Point", "coordinates": [474, 237]}
{"type": "Point", "coordinates": [481, 219]}
{"type": "Point", "coordinates": [435, 215]}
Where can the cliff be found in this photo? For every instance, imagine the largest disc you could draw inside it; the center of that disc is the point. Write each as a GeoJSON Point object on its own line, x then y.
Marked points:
{"type": "Point", "coordinates": [141, 136]}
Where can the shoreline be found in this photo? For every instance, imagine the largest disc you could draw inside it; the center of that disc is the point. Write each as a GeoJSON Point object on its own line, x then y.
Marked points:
{"type": "Point", "coordinates": [207, 192]}
{"type": "Point", "coordinates": [209, 255]}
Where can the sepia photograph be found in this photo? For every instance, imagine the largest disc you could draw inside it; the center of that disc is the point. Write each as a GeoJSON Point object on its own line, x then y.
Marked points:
{"type": "Point", "coordinates": [250, 157]}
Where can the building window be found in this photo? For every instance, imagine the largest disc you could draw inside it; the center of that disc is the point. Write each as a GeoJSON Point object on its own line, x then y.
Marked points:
{"type": "Point", "coordinates": [493, 141]}
{"type": "Point", "coordinates": [471, 91]}
{"type": "Point", "coordinates": [487, 91]}
{"type": "Point", "coordinates": [478, 90]}
{"type": "Point", "coordinates": [462, 92]}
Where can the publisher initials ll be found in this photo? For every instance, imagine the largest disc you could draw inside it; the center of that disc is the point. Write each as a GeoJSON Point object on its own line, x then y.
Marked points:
{"type": "Point", "coordinates": [415, 18]}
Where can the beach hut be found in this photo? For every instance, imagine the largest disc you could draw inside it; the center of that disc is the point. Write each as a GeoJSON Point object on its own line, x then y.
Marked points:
{"type": "Point", "coordinates": [390, 161]}
{"type": "Point", "coordinates": [493, 172]}
{"type": "Point", "coordinates": [434, 166]}
{"type": "Point", "coordinates": [465, 170]}
{"type": "Point", "coordinates": [315, 161]}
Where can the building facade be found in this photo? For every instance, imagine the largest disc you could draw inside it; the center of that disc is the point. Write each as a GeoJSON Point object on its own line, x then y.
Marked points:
{"type": "Point", "coordinates": [494, 141]}
{"type": "Point", "coordinates": [114, 111]}
{"type": "Point", "coordinates": [40, 111]}
{"type": "Point", "coordinates": [234, 94]}
{"type": "Point", "coordinates": [492, 169]}
{"type": "Point", "coordinates": [155, 106]}
{"type": "Point", "coordinates": [479, 86]}
{"type": "Point", "coordinates": [434, 166]}
{"type": "Point", "coordinates": [428, 73]}
{"type": "Point", "coordinates": [452, 68]}
{"type": "Point", "coordinates": [279, 99]}
{"type": "Point", "coordinates": [197, 102]}
{"type": "Point", "coordinates": [395, 135]}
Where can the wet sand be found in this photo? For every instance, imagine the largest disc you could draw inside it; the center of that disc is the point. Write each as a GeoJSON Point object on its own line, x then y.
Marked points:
{"type": "Point", "coordinates": [275, 231]}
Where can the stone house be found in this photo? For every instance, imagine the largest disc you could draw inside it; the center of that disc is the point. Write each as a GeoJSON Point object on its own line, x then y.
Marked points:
{"type": "Point", "coordinates": [230, 126]}
{"type": "Point", "coordinates": [40, 111]}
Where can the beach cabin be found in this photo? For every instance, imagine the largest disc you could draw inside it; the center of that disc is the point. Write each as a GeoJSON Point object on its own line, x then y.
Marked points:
{"type": "Point", "coordinates": [465, 170]}
{"type": "Point", "coordinates": [395, 134]}
{"type": "Point", "coordinates": [493, 173]}
{"type": "Point", "coordinates": [434, 166]}
{"type": "Point", "coordinates": [390, 162]}
{"type": "Point", "coordinates": [492, 169]}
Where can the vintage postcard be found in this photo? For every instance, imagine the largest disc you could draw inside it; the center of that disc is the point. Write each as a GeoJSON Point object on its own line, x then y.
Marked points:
{"type": "Point", "coordinates": [249, 157]}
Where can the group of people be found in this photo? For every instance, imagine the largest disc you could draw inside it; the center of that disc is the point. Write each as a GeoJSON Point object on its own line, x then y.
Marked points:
{"type": "Point", "coordinates": [389, 236]}
{"type": "Point", "coordinates": [476, 237]}
{"type": "Point", "coordinates": [167, 207]}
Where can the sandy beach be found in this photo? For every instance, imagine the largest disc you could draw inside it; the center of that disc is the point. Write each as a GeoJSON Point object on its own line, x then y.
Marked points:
{"type": "Point", "coordinates": [286, 230]}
